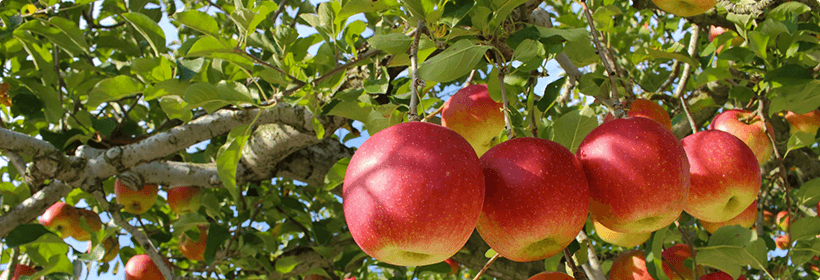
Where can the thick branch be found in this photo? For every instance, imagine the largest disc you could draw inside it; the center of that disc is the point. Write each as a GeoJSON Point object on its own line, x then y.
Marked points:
{"type": "Point", "coordinates": [33, 206]}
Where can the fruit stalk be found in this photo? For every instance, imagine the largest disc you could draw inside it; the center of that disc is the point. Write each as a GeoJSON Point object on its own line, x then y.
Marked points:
{"type": "Point", "coordinates": [577, 273]}
{"type": "Point", "coordinates": [505, 103]}
{"type": "Point", "coordinates": [486, 266]}
{"type": "Point", "coordinates": [412, 115]}
{"type": "Point", "coordinates": [617, 108]}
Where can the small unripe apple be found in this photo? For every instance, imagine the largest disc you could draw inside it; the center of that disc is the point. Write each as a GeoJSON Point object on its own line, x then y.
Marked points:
{"type": "Point", "coordinates": [93, 221]}
{"type": "Point", "coordinates": [62, 218]}
{"type": "Point", "coordinates": [630, 265]}
{"type": "Point", "coordinates": [183, 200]}
{"type": "Point", "coordinates": [720, 275]}
{"type": "Point", "coordinates": [808, 122]}
{"type": "Point", "coordinates": [747, 126]}
{"type": "Point", "coordinates": [685, 8]}
{"type": "Point", "coordinates": [782, 220]}
{"type": "Point", "coordinates": [745, 219]}
{"type": "Point", "coordinates": [194, 250]}
{"type": "Point", "coordinates": [475, 116]}
{"type": "Point", "coordinates": [551, 275]}
{"type": "Point", "coordinates": [140, 267]}
{"type": "Point", "coordinates": [782, 242]}
{"type": "Point", "coordinates": [135, 202]}
{"type": "Point", "coordinates": [646, 109]}
{"type": "Point", "coordinates": [675, 257]}
{"type": "Point", "coordinates": [453, 266]}
{"type": "Point", "coordinates": [622, 239]}
{"type": "Point", "coordinates": [19, 270]}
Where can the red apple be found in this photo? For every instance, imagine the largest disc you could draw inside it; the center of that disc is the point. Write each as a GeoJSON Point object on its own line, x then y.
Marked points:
{"type": "Point", "coordinates": [112, 249]}
{"type": "Point", "coordinates": [685, 8]}
{"type": "Point", "coordinates": [140, 267]}
{"type": "Point", "coordinates": [782, 242]}
{"type": "Point", "coordinates": [473, 114]}
{"type": "Point", "coordinates": [551, 275]}
{"type": "Point", "coordinates": [536, 201]}
{"type": "Point", "coordinates": [782, 220]}
{"type": "Point", "coordinates": [93, 221]}
{"type": "Point", "coordinates": [745, 219]}
{"type": "Point", "coordinates": [453, 266]}
{"type": "Point", "coordinates": [630, 265]}
{"type": "Point", "coordinates": [620, 238]}
{"type": "Point", "coordinates": [808, 122]}
{"type": "Point", "coordinates": [412, 194]}
{"type": "Point", "coordinates": [183, 200]}
{"type": "Point", "coordinates": [749, 128]}
{"type": "Point", "coordinates": [194, 250]}
{"type": "Point", "coordinates": [715, 31]}
{"type": "Point", "coordinates": [19, 270]}
{"type": "Point", "coordinates": [725, 175]}
{"type": "Point", "coordinates": [638, 175]}
{"type": "Point", "coordinates": [136, 202]}
{"type": "Point", "coordinates": [646, 109]}
{"type": "Point", "coordinates": [720, 275]}
{"type": "Point", "coordinates": [675, 257]}
{"type": "Point", "coordinates": [62, 218]}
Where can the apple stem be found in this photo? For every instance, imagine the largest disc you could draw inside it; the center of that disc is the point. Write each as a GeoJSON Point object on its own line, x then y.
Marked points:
{"type": "Point", "coordinates": [617, 108]}
{"type": "Point", "coordinates": [413, 115]}
{"type": "Point", "coordinates": [577, 273]}
{"type": "Point", "coordinates": [486, 266]}
{"type": "Point", "coordinates": [505, 103]}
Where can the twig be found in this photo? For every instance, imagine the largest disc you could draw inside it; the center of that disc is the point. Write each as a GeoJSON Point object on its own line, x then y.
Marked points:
{"type": "Point", "coordinates": [433, 114]}
{"type": "Point", "coordinates": [271, 66]}
{"type": "Point", "coordinates": [332, 72]}
{"type": "Point", "coordinates": [672, 77]}
{"type": "Point", "coordinates": [282, 5]}
{"type": "Point", "coordinates": [412, 115]}
{"type": "Point", "coordinates": [577, 273]}
{"type": "Point", "coordinates": [541, 17]}
{"type": "Point", "coordinates": [486, 266]}
{"type": "Point", "coordinates": [691, 244]}
{"type": "Point", "coordinates": [691, 119]}
{"type": "Point", "coordinates": [469, 80]}
{"type": "Point", "coordinates": [505, 103]}
{"type": "Point", "coordinates": [617, 108]}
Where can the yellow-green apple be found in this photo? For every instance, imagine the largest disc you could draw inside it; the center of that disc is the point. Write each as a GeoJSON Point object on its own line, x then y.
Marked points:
{"type": "Point", "coordinates": [536, 201]}
{"type": "Point", "coordinates": [747, 126]}
{"type": "Point", "coordinates": [412, 194]}
{"type": "Point", "coordinates": [638, 174]}
{"type": "Point", "coordinates": [646, 109]}
{"type": "Point", "coordinates": [725, 175]}
{"type": "Point", "coordinates": [745, 219]}
{"type": "Point", "coordinates": [136, 202]}
{"type": "Point", "coordinates": [19, 270]}
{"type": "Point", "coordinates": [93, 221]}
{"type": "Point", "coordinates": [551, 275]}
{"type": "Point", "coordinates": [685, 8]}
{"type": "Point", "coordinates": [808, 122]}
{"type": "Point", "coordinates": [140, 267]}
{"type": "Point", "coordinates": [473, 114]}
{"type": "Point", "coordinates": [453, 266]}
{"type": "Point", "coordinates": [111, 246]}
{"type": "Point", "coordinates": [183, 200]}
{"type": "Point", "coordinates": [720, 275]}
{"type": "Point", "coordinates": [62, 218]}
{"type": "Point", "coordinates": [675, 257]}
{"type": "Point", "coordinates": [782, 220]}
{"type": "Point", "coordinates": [620, 238]}
{"type": "Point", "coordinates": [194, 250]}
{"type": "Point", "coordinates": [782, 242]}
{"type": "Point", "coordinates": [630, 265]}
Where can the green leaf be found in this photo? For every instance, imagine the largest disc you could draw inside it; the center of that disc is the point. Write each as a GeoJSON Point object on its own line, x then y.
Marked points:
{"type": "Point", "coordinates": [490, 253]}
{"type": "Point", "coordinates": [653, 254]}
{"type": "Point", "coordinates": [24, 234]}
{"type": "Point", "coordinates": [529, 49]}
{"type": "Point", "coordinates": [228, 157]}
{"type": "Point", "coordinates": [604, 17]}
{"type": "Point", "coordinates": [286, 264]}
{"type": "Point", "coordinates": [318, 127]}
{"type": "Point", "coordinates": [189, 221]}
{"type": "Point", "coordinates": [551, 93]}
{"type": "Point", "coordinates": [174, 108]}
{"type": "Point", "coordinates": [153, 69]}
{"type": "Point", "coordinates": [383, 117]}
{"type": "Point", "coordinates": [149, 30]}
{"type": "Point", "coordinates": [348, 109]}
{"type": "Point", "coordinates": [799, 140]}
{"type": "Point", "coordinates": [787, 10]}
{"type": "Point", "coordinates": [167, 87]}
{"type": "Point", "coordinates": [364, 6]}
{"type": "Point", "coordinates": [113, 89]}
{"type": "Point", "coordinates": [642, 54]}
{"type": "Point", "coordinates": [806, 227]}
{"type": "Point", "coordinates": [502, 9]}
{"type": "Point", "coordinates": [393, 43]}
{"type": "Point", "coordinates": [336, 175]}
{"type": "Point", "coordinates": [809, 192]}
{"type": "Point", "coordinates": [217, 234]}
{"type": "Point", "coordinates": [757, 43]}
{"type": "Point", "coordinates": [234, 93]}
{"type": "Point", "coordinates": [731, 247]}
{"type": "Point", "coordinates": [50, 251]}
{"type": "Point", "coordinates": [204, 95]}
{"type": "Point", "coordinates": [198, 21]}
{"type": "Point", "coordinates": [454, 62]}
{"type": "Point", "coordinates": [454, 11]}
{"type": "Point", "coordinates": [804, 251]}
{"type": "Point", "coordinates": [214, 48]}
{"type": "Point", "coordinates": [377, 86]}
{"type": "Point", "coordinates": [551, 263]}
{"type": "Point", "coordinates": [60, 31]}
{"type": "Point", "coordinates": [575, 125]}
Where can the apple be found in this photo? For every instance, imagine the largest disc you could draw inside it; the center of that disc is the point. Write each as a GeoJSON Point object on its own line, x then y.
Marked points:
{"type": "Point", "coordinates": [140, 267]}
{"type": "Point", "coordinates": [93, 221]}
{"type": "Point", "coordinates": [473, 114]}
{"type": "Point", "coordinates": [412, 194]}
{"type": "Point", "coordinates": [19, 270]}
{"type": "Point", "coordinates": [749, 128]}
{"type": "Point", "coordinates": [715, 31]}
{"type": "Point", "coordinates": [685, 8]}
{"type": "Point", "coordinates": [629, 265]}
{"type": "Point", "coordinates": [720, 275]}
{"type": "Point", "coordinates": [675, 257]}
{"type": "Point", "coordinates": [551, 275]}
{"type": "Point", "coordinates": [62, 218]}
{"type": "Point", "coordinates": [638, 175]}
{"type": "Point", "coordinates": [808, 122]}
{"type": "Point", "coordinates": [194, 250]}
{"type": "Point", "coordinates": [620, 238]}
{"type": "Point", "coordinates": [782, 220]}
{"type": "Point", "coordinates": [536, 199]}
{"type": "Point", "coordinates": [136, 202]}
{"type": "Point", "coordinates": [745, 219]}
{"type": "Point", "coordinates": [183, 200]}
{"type": "Point", "coordinates": [646, 109]}
{"type": "Point", "coordinates": [453, 266]}
{"type": "Point", "coordinates": [768, 217]}
{"type": "Point", "coordinates": [724, 173]}
{"type": "Point", "coordinates": [782, 242]}
{"type": "Point", "coordinates": [112, 249]}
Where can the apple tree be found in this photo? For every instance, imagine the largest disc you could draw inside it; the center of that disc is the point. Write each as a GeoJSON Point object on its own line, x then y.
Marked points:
{"type": "Point", "coordinates": [262, 104]}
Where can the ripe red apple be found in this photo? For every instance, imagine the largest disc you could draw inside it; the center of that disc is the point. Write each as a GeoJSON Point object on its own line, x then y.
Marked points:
{"type": "Point", "coordinates": [630, 265]}
{"type": "Point", "coordinates": [62, 218]}
{"type": "Point", "coordinates": [646, 109]}
{"type": "Point", "coordinates": [808, 122]}
{"type": "Point", "coordinates": [136, 202]}
{"type": "Point", "coordinates": [685, 8]}
{"type": "Point", "coordinates": [93, 221]}
{"type": "Point", "coordinates": [412, 194]}
{"type": "Point", "coordinates": [473, 114]}
{"type": "Point", "coordinates": [720, 275]}
{"type": "Point", "coordinates": [551, 275]}
{"type": "Point", "coordinates": [194, 250]}
{"type": "Point", "coordinates": [112, 249]}
{"type": "Point", "coordinates": [782, 242]}
{"type": "Point", "coordinates": [536, 201]}
{"type": "Point", "coordinates": [745, 219]}
{"type": "Point", "coordinates": [19, 270]}
{"type": "Point", "coordinates": [637, 172]}
{"type": "Point", "coordinates": [183, 200]}
{"type": "Point", "coordinates": [725, 175]}
{"type": "Point", "coordinates": [749, 128]}
{"type": "Point", "coordinates": [782, 220]}
{"type": "Point", "coordinates": [453, 266]}
{"type": "Point", "coordinates": [140, 267]}
{"type": "Point", "coordinates": [622, 239]}
{"type": "Point", "coordinates": [675, 257]}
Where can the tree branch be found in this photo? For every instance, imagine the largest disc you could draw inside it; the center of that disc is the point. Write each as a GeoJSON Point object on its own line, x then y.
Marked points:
{"type": "Point", "coordinates": [33, 206]}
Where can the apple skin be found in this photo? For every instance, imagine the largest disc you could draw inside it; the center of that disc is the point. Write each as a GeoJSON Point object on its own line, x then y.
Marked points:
{"type": "Point", "coordinates": [475, 116]}
{"type": "Point", "coordinates": [745, 219]}
{"type": "Point", "coordinates": [194, 250]}
{"type": "Point", "coordinates": [412, 194]}
{"type": "Point", "coordinates": [685, 8]}
{"type": "Point", "coordinates": [638, 175]}
{"type": "Point", "coordinates": [676, 256]}
{"type": "Point", "coordinates": [782, 220]}
{"type": "Point", "coordinates": [140, 267]}
{"type": "Point", "coordinates": [93, 221]}
{"type": "Point", "coordinates": [630, 265]}
{"type": "Point", "coordinates": [135, 202]}
{"type": "Point", "coordinates": [19, 270]}
{"type": "Point", "coordinates": [62, 218]}
{"type": "Point", "coordinates": [551, 275]}
{"type": "Point", "coordinates": [184, 200]}
{"type": "Point", "coordinates": [628, 240]}
{"type": "Point", "coordinates": [720, 275]}
{"type": "Point", "coordinates": [646, 109]}
{"type": "Point", "coordinates": [782, 242]}
{"type": "Point", "coordinates": [751, 133]}
{"type": "Point", "coordinates": [724, 173]}
{"type": "Point", "coordinates": [808, 122]}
